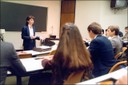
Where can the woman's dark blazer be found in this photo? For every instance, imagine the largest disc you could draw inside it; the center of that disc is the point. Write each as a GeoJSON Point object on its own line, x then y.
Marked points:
{"type": "Point", "coordinates": [28, 43]}
{"type": "Point", "coordinates": [102, 55]}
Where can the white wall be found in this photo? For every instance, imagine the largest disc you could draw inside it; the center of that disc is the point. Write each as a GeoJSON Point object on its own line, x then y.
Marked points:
{"type": "Point", "coordinates": [98, 11]}
{"type": "Point", "coordinates": [53, 20]}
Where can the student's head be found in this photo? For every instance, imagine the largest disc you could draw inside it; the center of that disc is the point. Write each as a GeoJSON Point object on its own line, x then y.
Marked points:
{"type": "Point", "coordinates": [126, 29]}
{"type": "Point", "coordinates": [94, 29]}
{"type": "Point", "coordinates": [71, 51]}
{"type": "Point", "coordinates": [102, 32]}
{"type": "Point", "coordinates": [113, 30]}
{"type": "Point", "coordinates": [106, 32]}
{"type": "Point", "coordinates": [30, 20]}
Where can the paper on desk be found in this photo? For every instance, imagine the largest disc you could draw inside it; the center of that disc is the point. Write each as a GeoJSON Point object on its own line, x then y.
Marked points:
{"type": "Point", "coordinates": [31, 64]}
{"type": "Point", "coordinates": [117, 75]}
{"type": "Point", "coordinates": [37, 53]}
{"type": "Point", "coordinates": [44, 47]}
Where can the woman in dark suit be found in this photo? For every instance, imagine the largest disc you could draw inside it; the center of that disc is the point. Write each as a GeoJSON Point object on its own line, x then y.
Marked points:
{"type": "Point", "coordinates": [28, 34]}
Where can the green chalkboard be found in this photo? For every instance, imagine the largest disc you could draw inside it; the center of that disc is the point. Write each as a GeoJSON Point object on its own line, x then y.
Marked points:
{"type": "Point", "coordinates": [13, 16]}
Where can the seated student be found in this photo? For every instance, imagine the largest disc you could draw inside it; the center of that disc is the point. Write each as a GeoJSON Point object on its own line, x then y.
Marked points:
{"type": "Point", "coordinates": [101, 50]}
{"type": "Point", "coordinates": [71, 56]}
{"type": "Point", "coordinates": [102, 32]}
{"type": "Point", "coordinates": [9, 61]}
{"type": "Point", "coordinates": [116, 41]}
{"type": "Point", "coordinates": [125, 37]}
{"type": "Point", "coordinates": [105, 33]}
{"type": "Point", "coordinates": [120, 34]}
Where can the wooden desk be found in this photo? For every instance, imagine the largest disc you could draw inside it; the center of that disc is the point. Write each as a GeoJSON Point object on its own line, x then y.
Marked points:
{"type": "Point", "coordinates": [23, 54]}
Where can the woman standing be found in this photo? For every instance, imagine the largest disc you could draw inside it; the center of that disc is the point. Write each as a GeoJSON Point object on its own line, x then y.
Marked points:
{"type": "Point", "coordinates": [28, 34]}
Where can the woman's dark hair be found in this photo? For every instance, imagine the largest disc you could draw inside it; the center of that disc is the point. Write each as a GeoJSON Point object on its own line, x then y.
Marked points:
{"type": "Point", "coordinates": [28, 18]}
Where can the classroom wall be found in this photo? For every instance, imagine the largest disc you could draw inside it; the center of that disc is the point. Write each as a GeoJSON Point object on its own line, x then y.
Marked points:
{"type": "Point", "coordinates": [86, 12]}
{"type": "Point", "coordinates": [53, 22]}
{"type": "Point", "coordinates": [98, 11]}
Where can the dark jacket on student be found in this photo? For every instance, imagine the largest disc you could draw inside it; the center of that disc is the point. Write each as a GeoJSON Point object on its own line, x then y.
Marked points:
{"type": "Point", "coordinates": [9, 61]}
{"type": "Point", "coordinates": [102, 55]}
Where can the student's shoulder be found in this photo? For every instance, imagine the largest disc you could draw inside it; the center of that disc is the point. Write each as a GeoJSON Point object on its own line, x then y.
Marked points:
{"type": "Point", "coordinates": [7, 44]}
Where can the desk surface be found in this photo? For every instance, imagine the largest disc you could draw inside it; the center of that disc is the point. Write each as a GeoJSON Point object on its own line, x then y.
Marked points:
{"type": "Point", "coordinates": [35, 53]}
{"type": "Point", "coordinates": [115, 75]}
{"type": "Point", "coordinates": [32, 64]}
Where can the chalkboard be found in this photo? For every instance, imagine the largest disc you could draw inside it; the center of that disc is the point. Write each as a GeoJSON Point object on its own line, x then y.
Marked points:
{"type": "Point", "coordinates": [13, 16]}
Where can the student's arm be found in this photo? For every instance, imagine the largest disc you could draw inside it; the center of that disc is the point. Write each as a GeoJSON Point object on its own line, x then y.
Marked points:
{"type": "Point", "coordinates": [47, 61]}
{"type": "Point", "coordinates": [16, 65]}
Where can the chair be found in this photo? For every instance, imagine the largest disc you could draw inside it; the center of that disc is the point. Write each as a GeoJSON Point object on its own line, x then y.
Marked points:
{"type": "Point", "coordinates": [118, 55]}
{"type": "Point", "coordinates": [52, 52]}
{"type": "Point", "coordinates": [118, 66]}
{"type": "Point", "coordinates": [124, 49]}
{"type": "Point", "coordinates": [74, 77]}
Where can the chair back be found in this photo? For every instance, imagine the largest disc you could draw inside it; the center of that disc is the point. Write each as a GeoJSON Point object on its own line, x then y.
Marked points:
{"type": "Point", "coordinates": [52, 52]}
{"type": "Point", "coordinates": [124, 49]}
{"type": "Point", "coordinates": [118, 55]}
{"type": "Point", "coordinates": [74, 77]}
{"type": "Point", "coordinates": [118, 65]}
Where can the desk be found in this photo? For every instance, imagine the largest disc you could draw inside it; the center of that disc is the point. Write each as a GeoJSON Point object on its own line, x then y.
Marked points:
{"type": "Point", "coordinates": [115, 75]}
{"type": "Point", "coordinates": [32, 65]}
{"type": "Point", "coordinates": [35, 53]}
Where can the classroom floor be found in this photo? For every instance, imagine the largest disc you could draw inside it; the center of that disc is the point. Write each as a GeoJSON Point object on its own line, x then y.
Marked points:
{"type": "Point", "coordinates": [12, 80]}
